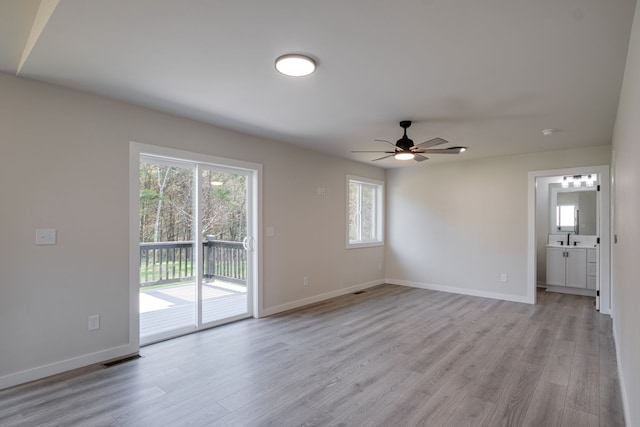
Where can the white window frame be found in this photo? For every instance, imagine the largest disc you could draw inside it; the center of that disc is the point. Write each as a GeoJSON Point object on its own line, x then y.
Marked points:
{"type": "Point", "coordinates": [379, 212]}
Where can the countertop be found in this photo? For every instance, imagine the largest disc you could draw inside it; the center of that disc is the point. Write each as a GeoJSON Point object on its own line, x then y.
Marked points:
{"type": "Point", "coordinates": [556, 245]}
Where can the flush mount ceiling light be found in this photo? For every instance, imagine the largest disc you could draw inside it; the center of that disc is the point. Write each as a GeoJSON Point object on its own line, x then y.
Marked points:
{"type": "Point", "coordinates": [295, 65]}
{"type": "Point", "coordinates": [549, 132]}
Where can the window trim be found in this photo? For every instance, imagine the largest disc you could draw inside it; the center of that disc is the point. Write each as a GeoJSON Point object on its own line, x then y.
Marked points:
{"type": "Point", "coordinates": [380, 217]}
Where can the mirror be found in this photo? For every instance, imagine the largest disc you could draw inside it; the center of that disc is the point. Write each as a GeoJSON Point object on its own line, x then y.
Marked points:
{"type": "Point", "coordinates": [573, 210]}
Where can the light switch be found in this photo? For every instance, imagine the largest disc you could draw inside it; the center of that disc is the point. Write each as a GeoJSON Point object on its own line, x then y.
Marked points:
{"type": "Point", "coordinates": [270, 232]}
{"type": "Point", "coordinates": [45, 236]}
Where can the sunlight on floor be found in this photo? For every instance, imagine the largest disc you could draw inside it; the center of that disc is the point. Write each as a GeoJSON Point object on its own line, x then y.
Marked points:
{"type": "Point", "coordinates": [151, 303]}
{"type": "Point", "coordinates": [160, 299]}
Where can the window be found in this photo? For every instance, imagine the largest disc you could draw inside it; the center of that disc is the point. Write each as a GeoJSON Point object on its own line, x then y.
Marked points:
{"type": "Point", "coordinates": [566, 217]}
{"type": "Point", "coordinates": [365, 212]}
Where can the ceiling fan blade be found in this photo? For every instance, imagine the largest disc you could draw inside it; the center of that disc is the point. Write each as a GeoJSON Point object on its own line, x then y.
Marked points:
{"type": "Point", "coordinates": [384, 140]}
{"type": "Point", "coordinates": [383, 157]}
{"type": "Point", "coordinates": [431, 143]}
{"type": "Point", "coordinates": [377, 151]}
{"type": "Point", "coordinates": [450, 150]}
{"type": "Point", "coordinates": [420, 158]}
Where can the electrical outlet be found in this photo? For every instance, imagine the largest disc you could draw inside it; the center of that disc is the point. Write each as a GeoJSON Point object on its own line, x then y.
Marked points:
{"type": "Point", "coordinates": [305, 281]}
{"type": "Point", "coordinates": [94, 322]}
{"type": "Point", "coordinates": [503, 277]}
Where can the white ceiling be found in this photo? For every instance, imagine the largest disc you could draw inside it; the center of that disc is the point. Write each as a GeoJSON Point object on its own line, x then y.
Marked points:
{"type": "Point", "coordinates": [486, 74]}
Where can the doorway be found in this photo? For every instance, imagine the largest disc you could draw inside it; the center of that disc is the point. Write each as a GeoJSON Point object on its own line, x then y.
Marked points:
{"type": "Point", "coordinates": [195, 233]}
{"type": "Point", "coordinates": [580, 214]}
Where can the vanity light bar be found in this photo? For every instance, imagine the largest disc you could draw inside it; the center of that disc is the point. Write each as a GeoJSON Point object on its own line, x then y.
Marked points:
{"type": "Point", "coordinates": [577, 180]}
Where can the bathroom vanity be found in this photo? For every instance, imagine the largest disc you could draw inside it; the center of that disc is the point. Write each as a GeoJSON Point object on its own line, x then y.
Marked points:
{"type": "Point", "coordinates": [572, 267]}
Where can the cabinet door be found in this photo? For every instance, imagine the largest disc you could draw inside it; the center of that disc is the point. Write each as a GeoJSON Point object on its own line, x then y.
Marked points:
{"type": "Point", "coordinates": [577, 268]}
{"type": "Point", "coordinates": [555, 267]}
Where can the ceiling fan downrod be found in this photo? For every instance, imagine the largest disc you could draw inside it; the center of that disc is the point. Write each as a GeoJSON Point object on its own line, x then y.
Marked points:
{"type": "Point", "coordinates": [405, 143]}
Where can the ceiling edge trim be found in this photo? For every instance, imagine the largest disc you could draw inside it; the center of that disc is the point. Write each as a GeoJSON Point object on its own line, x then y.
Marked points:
{"type": "Point", "coordinates": [39, 23]}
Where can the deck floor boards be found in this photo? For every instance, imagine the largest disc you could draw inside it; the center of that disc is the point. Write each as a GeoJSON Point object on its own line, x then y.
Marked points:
{"type": "Point", "coordinates": [173, 308]}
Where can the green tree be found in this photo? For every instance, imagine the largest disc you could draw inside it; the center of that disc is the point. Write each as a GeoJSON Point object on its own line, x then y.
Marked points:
{"type": "Point", "coordinates": [166, 203]}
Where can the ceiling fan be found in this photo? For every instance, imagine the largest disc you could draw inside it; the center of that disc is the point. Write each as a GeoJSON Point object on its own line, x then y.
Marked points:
{"type": "Point", "coordinates": [404, 149]}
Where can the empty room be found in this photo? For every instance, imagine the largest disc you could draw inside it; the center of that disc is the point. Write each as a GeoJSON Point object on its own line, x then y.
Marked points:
{"type": "Point", "coordinates": [246, 213]}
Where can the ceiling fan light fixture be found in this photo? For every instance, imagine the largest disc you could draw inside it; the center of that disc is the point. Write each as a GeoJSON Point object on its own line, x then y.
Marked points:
{"type": "Point", "coordinates": [404, 156]}
{"type": "Point", "coordinates": [405, 149]}
{"type": "Point", "coordinates": [295, 65]}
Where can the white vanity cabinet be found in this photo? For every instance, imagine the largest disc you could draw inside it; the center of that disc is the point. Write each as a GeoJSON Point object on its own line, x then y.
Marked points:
{"type": "Point", "coordinates": [567, 267]}
{"type": "Point", "coordinates": [592, 268]}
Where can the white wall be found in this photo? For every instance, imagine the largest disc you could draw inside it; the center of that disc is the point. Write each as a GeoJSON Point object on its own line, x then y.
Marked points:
{"type": "Point", "coordinates": [64, 164]}
{"type": "Point", "coordinates": [459, 226]}
{"type": "Point", "coordinates": [626, 273]}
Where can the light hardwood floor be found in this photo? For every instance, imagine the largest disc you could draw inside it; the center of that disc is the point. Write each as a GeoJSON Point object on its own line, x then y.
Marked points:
{"type": "Point", "coordinates": [391, 356]}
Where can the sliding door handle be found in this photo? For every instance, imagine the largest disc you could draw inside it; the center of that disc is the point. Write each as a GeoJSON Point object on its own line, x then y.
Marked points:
{"type": "Point", "coordinates": [247, 243]}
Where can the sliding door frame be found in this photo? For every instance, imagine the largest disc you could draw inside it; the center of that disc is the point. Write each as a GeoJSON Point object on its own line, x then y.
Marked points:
{"type": "Point", "coordinates": [254, 227]}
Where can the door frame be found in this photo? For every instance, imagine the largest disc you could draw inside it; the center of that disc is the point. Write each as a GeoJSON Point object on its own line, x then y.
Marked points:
{"type": "Point", "coordinates": [254, 227]}
{"type": "Point", "coordinates": [604, 220]}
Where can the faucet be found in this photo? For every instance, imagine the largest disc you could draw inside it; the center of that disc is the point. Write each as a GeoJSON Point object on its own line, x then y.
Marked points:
{"type": "Point", "coordinates": [568, 235]}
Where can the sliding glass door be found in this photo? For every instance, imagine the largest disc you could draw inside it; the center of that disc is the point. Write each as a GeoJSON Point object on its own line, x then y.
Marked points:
{"type": "Point", "coordinates": [167, 265]}
{"type": "Point", "coordinates": [195, 237]}
{"type": "Point", "coordinates": [226, 240]}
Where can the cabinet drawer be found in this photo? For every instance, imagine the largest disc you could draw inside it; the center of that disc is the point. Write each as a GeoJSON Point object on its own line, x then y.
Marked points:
{"type": "Point", "coordinates": [591, 269]}
{"type": "Point", "coordinates": [591, 282]}
{"type": "Point", "coordinates": [592, 255]}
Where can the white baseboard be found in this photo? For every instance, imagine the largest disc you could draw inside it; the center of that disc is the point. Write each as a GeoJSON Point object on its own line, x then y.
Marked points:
{"type": "Point", "coordinates": [621, 381]}
{"type": "Point", "coordinates": [464, 291]}
{"type": "Point", "coordinates": [126, 350]}
{"type": "Point", "coordinates": [317, 298]}
{"type": "Point", "coordinates": [65, 365]}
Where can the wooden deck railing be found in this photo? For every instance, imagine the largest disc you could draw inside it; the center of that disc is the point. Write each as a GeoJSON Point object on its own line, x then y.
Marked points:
{"type": "Point", "coordinates": [168, 262]}
{"type": "Point", "coordinates": [225, 260]}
